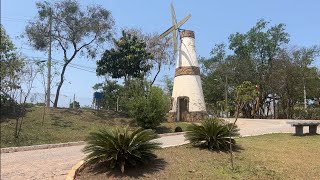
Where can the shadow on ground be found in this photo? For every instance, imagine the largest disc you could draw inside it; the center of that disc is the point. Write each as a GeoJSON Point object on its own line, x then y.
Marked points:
{"type": "Point", "coordinates": [163, 129]}
{"type": "Point", "coordinates": [235, 148]}
{"type": "Point", "coordinates": [102, 171]}
{"type": "Point", "coordinates": [306, 134]}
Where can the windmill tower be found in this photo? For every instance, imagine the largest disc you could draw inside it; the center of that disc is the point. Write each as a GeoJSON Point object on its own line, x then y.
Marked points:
{"type": "Point", "coordinates": [187, 102]}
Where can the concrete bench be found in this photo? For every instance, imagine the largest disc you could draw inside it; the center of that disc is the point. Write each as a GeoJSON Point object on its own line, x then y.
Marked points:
{"type": "Point", "coordinates": [299, 127]}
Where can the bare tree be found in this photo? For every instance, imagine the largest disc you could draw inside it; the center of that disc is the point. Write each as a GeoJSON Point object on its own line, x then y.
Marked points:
{"type": "Point", "coordinates": [73, 31]}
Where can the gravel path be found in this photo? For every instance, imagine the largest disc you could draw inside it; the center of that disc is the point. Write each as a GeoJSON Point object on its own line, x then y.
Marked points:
{"type": "Point", "coordinates": [56, 162]}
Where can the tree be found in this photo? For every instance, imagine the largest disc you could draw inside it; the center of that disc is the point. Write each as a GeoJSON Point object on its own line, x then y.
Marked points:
{"type": "Point", "coordinates": [111, 93]}
{"type": "Point", "coordinates": [245, 94]}
{"type": "Point", "coordinates": [74, 31]}
{"type": "Point", "coordinates": [168, 85]}
{"type": "Point", "coordinates": [296, 79]}
{"type": "Point", "coordinates": [160, 49]}
{"type": "Point", "coordinates": [11, 65]}
{"type": "Point", "coordinates": [128, 59]}
{"type": "Point", "coordinates": [261, 46]}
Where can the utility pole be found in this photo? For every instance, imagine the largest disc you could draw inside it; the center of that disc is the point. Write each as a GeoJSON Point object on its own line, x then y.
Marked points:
{"type": "Point", "coordinates": [74, 100]}
{"type": "Point", "coordinates": [226, 97]}
{"type": "Point", "coordinates": [49, 64]}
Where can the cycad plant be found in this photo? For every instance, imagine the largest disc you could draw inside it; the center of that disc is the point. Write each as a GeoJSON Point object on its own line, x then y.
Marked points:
{"type": "Point", "coordinates": [121, 148]}
{"type": "Point", "coordinates": [213, 133]}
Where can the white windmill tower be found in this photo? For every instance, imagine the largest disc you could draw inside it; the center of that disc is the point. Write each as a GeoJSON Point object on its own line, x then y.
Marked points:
{"type": "Point", "coordinates": [187, 102]}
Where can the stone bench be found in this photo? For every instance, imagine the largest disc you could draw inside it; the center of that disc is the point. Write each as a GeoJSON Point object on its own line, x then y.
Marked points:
{"type": "Point", "coordinates": [299, 127]}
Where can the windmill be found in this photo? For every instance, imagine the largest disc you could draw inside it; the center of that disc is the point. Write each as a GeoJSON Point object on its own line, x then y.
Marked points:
{"type": "Point", "coordinates": [187, 100]}
{"type": "Point", "coordinates": [174, 28]}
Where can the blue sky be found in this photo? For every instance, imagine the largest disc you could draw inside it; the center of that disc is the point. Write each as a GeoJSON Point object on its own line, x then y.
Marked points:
{"type": "Point", "coordinates": [212, 21]}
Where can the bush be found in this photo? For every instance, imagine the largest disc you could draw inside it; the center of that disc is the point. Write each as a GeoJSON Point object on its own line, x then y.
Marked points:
{"type": "Point", "coordinates": [149, 111]}
{"type": "Point", "coordinates": [120, 148]}
{"type": "Point", "coordinates": [311, 113]}
{"type": "Point", "coordinates": [212, 133]}
{"type": "Point", "coordinates": [10, 108]}
{"type": "Point", "coordinates": [76, 105]}
{"type": "Point", "coordinates": [40, 104]}
{"type": "Point", "coordinates": [178, 129]}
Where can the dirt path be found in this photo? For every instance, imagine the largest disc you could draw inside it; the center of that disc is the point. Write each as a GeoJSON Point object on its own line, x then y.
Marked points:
{"type": "Point", "coordinates": [55, 163]}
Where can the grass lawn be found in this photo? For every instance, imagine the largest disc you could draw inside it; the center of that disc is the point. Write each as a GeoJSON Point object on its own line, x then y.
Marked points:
{"type": "Point", "coordinates": [275, 156]}
{"type": "Point", "coordinates": [66, 125]}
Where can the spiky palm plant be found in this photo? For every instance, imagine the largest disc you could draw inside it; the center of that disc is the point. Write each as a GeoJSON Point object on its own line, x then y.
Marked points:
{"type": "Point", "coordinates": [120, 148]}
{"type": "Point", "coordinates": [213, 133]}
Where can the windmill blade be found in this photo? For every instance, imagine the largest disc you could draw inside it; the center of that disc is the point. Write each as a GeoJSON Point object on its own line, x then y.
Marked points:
{"type": "Point", "coordinates": [175, 48]}
{"type": "Point", "coordinates": [174, 33]}
{"type": "Point", "coordinates": [173, 15]}
{"type": "Point", "coordinates": [172, 28]}
{"type": "Point", "coordinates": [182, 21]}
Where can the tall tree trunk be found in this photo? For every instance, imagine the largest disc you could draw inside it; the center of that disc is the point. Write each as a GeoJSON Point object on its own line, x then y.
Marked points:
{"type": "Point", "coordinates": [155, 77]}
{"type": "Point", "coordinates": [55, 104]}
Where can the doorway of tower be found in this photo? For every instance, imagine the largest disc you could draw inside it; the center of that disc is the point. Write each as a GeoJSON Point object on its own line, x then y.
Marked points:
{"type": "Point", "coordinates": [183, 108]}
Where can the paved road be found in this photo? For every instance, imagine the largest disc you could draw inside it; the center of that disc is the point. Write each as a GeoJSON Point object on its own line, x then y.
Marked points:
{"type": "Point", "coordinates": [55, 163]}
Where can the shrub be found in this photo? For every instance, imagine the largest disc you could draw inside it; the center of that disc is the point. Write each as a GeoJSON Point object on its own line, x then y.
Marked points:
{"type": "Point", "coordinates": [120, 148]}
{"type": "Point", "coordinates": [76, 105]}
{"type": "Point", "coordinates": [178, 129]}
{"type": "Point", "coordinates": [310, 113]}
{"type": "Point", "coordinates": [40, 104]}
{"type": "Point", "coordinates": [150, 110]}
{"type": "Point", "coordinates": [212, 133]}
{"type": "Point", "coordinates": [10, 108]}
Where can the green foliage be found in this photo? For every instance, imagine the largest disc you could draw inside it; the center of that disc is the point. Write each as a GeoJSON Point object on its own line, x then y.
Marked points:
{"type": "Point", "coordinates": [76, 104]}
{"type": "Point", "coordinates": [120, 148]}
{"type": "Point", "coordinates": [245, 98]}
{"type": "Point", "coordinates": [9, 107]}
{"type": "Point", "coordinates": [168, 85]}
{"type": "Point", "coordinates": [149, 110]}
{"type": "Point", "coordinates": [111, 93]}
{"type": "Point", "coordinates": [246, 92]}
{"type": "Point", "coordinates": [310, 113]}
{"type": "Point", "coordinates": [11, 65]}
{"type": "Point", "coordinates": [129, 58]}
{"type": "Point", "coordinates": [212, 133]}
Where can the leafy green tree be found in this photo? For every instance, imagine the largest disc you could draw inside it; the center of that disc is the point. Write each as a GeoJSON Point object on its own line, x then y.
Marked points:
{"type": "Point", "coordinates": [245, 97]}
{"type": "Point", "coordinates": [128, 59]}
{"type": "Point", "coordinates": [149, 110]}
{"type": "Point", "coordinates": [11, 65]}
{"type": "Point", "coordinates": [160, 49]}
{"type": "Point", "coordinates": [74, 31]}
{"type": "Point", "coordinates": [112, 92]}
{"type": "Point", "coordinates": [260, 45]}
{"type": "Point", "coordinates": [168, 85]}
{"type": "Point", "coordinates": [121, 148]}
{"type": "Point", "coordinates": [294, 77]}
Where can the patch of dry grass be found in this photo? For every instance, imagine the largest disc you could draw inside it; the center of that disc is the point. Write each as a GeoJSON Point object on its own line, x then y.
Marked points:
{"type": "Point", "coordinates": [275, 156]}
{"type": "Point", "coordinates": [67, 125]}
{"type": "Point", "coordinates": [59, 125]}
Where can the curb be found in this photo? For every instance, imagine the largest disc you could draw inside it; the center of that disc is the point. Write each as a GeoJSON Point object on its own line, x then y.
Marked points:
{"type": "Point", "coordinates": [74, 170]}
{"type": "Point", "coordinates": [49, 146]}
{"type": "Point", "coordinates": [37, 147]}
{"type": "Point", "coordinates": [170, 134]}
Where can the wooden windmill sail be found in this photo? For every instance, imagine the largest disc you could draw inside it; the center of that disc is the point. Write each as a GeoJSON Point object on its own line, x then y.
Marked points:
{"type": "Point", "coordinates": [174, 28]}
{"type": "Point", "coordinates": [187, 95]}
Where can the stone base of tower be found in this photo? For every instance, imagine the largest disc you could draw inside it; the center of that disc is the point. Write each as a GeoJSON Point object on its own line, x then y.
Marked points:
{"type": "Point", "coordinates": [189, 117]}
